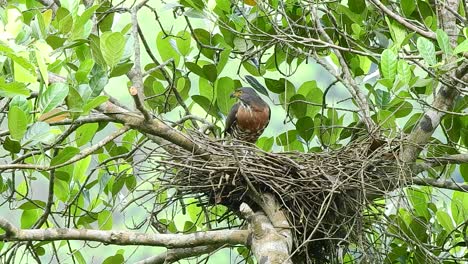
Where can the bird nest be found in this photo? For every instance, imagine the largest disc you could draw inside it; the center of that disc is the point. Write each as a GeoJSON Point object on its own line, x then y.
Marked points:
{"type": "Point", "coordinates": [326, 197]}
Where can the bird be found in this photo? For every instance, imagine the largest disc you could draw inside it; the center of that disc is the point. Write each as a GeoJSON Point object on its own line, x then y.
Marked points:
{"type": "Point", "coordinates": [248, 117]}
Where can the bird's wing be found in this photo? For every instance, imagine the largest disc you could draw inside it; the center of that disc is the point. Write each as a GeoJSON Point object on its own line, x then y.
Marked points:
{"type": "Point", "coordinates": [231, 118]}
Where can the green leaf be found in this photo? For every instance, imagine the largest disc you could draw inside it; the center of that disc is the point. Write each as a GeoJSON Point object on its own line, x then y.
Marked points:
{"type": "Point", "coordinates": [193, 67]}
{"type": "Point", "coordinates": [67, 153]}
{"type": "Point", "coordinates": [121, 69]}
{"type": "Point", "coordinates": [253, 69]}
{"type": "Point", "coordinates": [357, 6]}
{"type": "Point", "coordinates": [97, 83]}
{"type": "Point", "coordinates": [443, 41]}
{"type": "Point", "coordinates": [31, 205]}
{"type": "Point", "coordinates": [404, 71]}
{"type": "Point", "coordinates": [116, 259]}
{"type": "Point", "coordinates": [462, 47]}
{"type": "Point", "coordinates": [419, 199]}
{"type": "Point", "coordinates": [29, 217]}
{"type": "Point", "coordinates": [445, 220]}
{"type": "Point", "coordinates": [80, 168]}
{"type": "Point", "coordinates": [12, 146]}
{"type": "Point", "coordinates": [83, 71]}
{"type": "Point", "coordinates": [401, 109]}
{"type": "Point", "coordinates": [12, 89]}
{"type": "Point", "coordinates": [305, 127]}
{"type": "Point", "coordinates": [298, 105]}
{"type": "Point", "coordinates": [17, 122]}
{"type": "Point", "coordinates": [63, 20]}
{"type": "Point", "coordinates": [95, 45]}
{"type": "Point", "coordinates": [459, 207]}
{"type": "Point", "coordinates": [94, 103]}
{"type": "Point", "coordinates": [105, 220]}
{"type": "Point", "coordinates": [388, 64]}
{"type": "Point", "coordinates": [167, 48]}
{"type": "Point", "coordinates": [210, 72]}
{"type": "Point", "coordinates": [276, 86]}
{"type": "Point", "coordinates": [42, 66]}
{"type": "Point", "coordinates": [79, 257]}
{"type": "Point", "coordinates": [38, 132]}
{"type": "Point", "coordinates": [408, 6]}
{"type": "Point", "coordinates": [427, 50]}
{"type": "Point", "coordinates": [223, 59]}
{"type": "Point", "coordinates": [286, 138]}
{"type": "Point", "coordinates": [464, 171]}
{"type": "Point", "coordinates": [206, 104]}
{"type": "Point", "coordinates": [85, 133]}
{"type": "Point", "coordinates": [256, 85]}
{"type": "Point", "coordinates": [112, 47]}
{"type": "Point", "coordinates": [53, 96]}
{"type": "Point", "coordinates": [21, 102]}
{"type": "Point", "coordinates": [224, 87]}
{"type": "Point", "coordinates": [265, 143]}
{"type": "Point", "coordinates": [83, 24]}
{"type": "Point", "coordinates": [183, 42]}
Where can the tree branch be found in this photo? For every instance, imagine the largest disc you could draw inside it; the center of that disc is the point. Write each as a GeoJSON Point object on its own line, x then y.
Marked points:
{"type": "Point", "coordinates": [207, 238]}
{"type": "Point", "coordinates": [267, 244]}
{"type": "Point", "coordinates": [443, 99]}
{"type": "Point", "coordinates": [153, 127]}
{"type": "Point", "coordinates": [444, 184]}
{"type": "Point", "coordinates": [135, 75]}
{"type": "Point", "coordinates": [176, 254]}
{"type": "Point", "coordinates": [403, 22]}
{"type": "Point", "coordinates": [353, 88]}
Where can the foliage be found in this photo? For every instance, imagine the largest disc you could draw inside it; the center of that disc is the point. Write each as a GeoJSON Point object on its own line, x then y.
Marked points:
{"type": "Point", "coordinates": [69, 163]}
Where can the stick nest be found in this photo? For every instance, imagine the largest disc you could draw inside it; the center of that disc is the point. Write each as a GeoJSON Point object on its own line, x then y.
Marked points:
{"type": "Point", "coordinates": [327, 197]}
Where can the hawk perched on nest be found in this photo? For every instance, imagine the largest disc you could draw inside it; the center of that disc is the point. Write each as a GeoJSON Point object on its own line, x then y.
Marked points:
{"type": "Point", "coordinates": [248, 117]}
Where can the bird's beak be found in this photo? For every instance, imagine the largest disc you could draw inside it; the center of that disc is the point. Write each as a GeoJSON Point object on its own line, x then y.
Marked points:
{"type": "Point", "coordinates": [235, 94]}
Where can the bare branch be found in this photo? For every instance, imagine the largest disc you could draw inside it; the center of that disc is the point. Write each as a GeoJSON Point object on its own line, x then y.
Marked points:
{"type": "Point", "coordinates": [402, 21]}
{"type": "Point", "coordinates": [153, 127]}
{"type": "Point", "coordinates": [135, 75]}
{"type": "Point", "coordinates": [228, 237]}
{"type": "Point", "coordinates": [352, 87]}
{"type": "Point", "coordinates": [444, 184]}
{"type": "Point", "coordinates": [83, 154]}
{"type": "Point", "coordinates": [176, 254]}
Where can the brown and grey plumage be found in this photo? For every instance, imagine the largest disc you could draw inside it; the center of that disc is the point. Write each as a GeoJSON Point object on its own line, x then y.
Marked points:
{"type": "Point", "coordinates": [248, 117]}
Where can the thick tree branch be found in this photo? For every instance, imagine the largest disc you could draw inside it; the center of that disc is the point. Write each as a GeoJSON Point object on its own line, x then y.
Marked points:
{"type": "Point", "coordinates": [153, 127]}
{"type": "Point", "coordinates": [439, 161]}
{"type": "Point", "coordinates": [443, 99]}
{"type": "Point", "coordinates": [228, 237]}
{"type": "Point", "coordinates": [444, 184]}
{"type": "Point", "coordinates": [267, 244]}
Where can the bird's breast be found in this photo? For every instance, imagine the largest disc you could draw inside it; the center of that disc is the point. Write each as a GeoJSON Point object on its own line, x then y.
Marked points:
{"type": "Point", "coordinates": [251, 119]}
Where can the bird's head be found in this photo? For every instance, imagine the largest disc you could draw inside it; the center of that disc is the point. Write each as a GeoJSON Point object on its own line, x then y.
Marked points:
{"type": "Point", "coordinates": [246, 95]}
